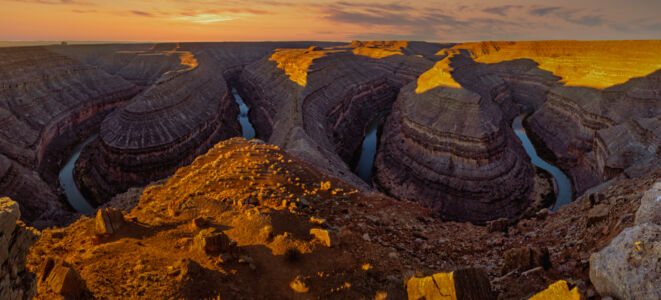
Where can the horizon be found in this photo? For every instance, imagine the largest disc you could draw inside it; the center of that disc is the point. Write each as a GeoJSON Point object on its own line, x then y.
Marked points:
{"type": "Point", "coordinates": [241, 21]}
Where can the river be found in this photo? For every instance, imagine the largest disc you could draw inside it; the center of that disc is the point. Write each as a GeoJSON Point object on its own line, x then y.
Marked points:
{"type": "Point", "coordinates": [562, 182]}
{"type": "Point", "coordinates": [67, 183]}
{"type": "Point", "coordinates": [368, 150]}
{"type": "Point", "coordinates": [247, 130]}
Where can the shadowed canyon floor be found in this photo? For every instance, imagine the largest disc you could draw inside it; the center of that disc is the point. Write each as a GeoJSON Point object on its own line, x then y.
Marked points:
{"type": "Point", "coordinates": [448, 194]}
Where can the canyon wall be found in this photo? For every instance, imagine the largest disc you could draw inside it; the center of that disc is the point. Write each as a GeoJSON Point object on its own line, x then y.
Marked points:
{"type": "Point", "coordinates": [49, 102]}
{"type": "Point", "coordinates": [162, 129]}
{"type": "Point", "coordinates": [453, 151]}
{"type": "Point", "coordinates": [317, 102]}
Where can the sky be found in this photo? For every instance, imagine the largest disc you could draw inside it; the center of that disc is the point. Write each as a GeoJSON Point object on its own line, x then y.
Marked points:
{"type": "Point", "coordinates": [337, 20]}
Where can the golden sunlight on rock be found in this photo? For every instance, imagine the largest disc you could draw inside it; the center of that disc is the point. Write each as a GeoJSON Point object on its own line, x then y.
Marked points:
{"type": "Point", "coordinates": [438, 75]}
{"type": "Point", "coordinates": [558, 291]}
{"type": "Point", "coordinates": [187, 59]}
{"type": "Point", "coordinates": [295, 62]}
{"type": "Point", "coordinates": [598, 64]}
{"type": "Point", "coordinates": [378, 49]}
{"type": "Point", "coordinates": [439, 286]}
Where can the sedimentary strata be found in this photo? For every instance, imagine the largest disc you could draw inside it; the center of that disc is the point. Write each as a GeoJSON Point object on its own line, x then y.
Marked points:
{"type": "Point", "coordinates": [49, 102]}
{"type": "Point", "coordinates": [570, 105]}
{"type": "Point", "coordinates": [163, 128]}
{"type": "Point", "coordinates": [453, 151]}
{"type": "Point", "coordinates": [317, 102]}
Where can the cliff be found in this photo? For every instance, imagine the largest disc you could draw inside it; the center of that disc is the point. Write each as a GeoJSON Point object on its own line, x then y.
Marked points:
{"type": "Point", "coordinates": [453, 151]}
{"type": "Point", "coordinates": [49, 102]}
{"type": "Point", "coordinates": [15, 240]}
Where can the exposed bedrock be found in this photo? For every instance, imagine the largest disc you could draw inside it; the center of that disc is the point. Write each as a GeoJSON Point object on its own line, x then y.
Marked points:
{"type": "Point", "coordinates": [568, 118]}
{"type": "Point", "coordinates": [316, 103]}
{"type": "Point", "coordinates": [49, 102]}
{"type": "Point", "coordinates": [632, 148]}
{"type": "Point", "coordinates": [572, 118]}
{"type": "Point", "coordinates": [508, 83]}
{"type": "Point", "coordinates": [141, 64]}
{"type": "Point", "coordinates": [160, 130]}
{"type": "Point", "coordinates": [453, 151]}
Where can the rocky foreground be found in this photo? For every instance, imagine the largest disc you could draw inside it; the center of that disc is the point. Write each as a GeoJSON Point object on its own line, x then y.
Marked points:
{"type": "Point", "coordinates": [249, 215]}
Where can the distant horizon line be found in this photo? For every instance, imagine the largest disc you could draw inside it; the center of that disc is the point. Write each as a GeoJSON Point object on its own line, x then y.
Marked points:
{"type": "Point", "coordinates": [81, 42]}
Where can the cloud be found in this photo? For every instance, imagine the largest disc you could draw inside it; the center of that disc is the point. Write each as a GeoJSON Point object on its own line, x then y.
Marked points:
{"type": "Point", "coordinates": [376, 6]}
{"type": "Point", "coordinates": [500, 10]}
{"type": "Point", "coordinates": [83, 11]}
{"type": "Point", "coordinates": [141, 13]}
{"type": "Point", "coordinates": [593, 20]}
{"type": "Point", "coordinates": [204, 18]}
{"type": "Point", "coordinates": [543, 11]}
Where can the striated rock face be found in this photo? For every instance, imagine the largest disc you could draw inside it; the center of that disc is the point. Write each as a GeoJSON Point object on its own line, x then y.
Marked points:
{"type": "Point", "coordinates": [49, 102]}
{"type": "Point", "coordinates": [316, 102]}
{"type": "Point", "coordinates": [579, 125]}
{"type": "Point", "coordinates": [15, 240]}
{"type": "Point", "coordinates": [39, 203]}
{"type": "Point", "coordinates": [188, 108]}
{"type": "Point", "coordinates": [141, 64]}
{"type": "Point", "coordinates": [163, 128]}
{"type": "Point", "coordinates": [453, 151]}
{"type": "Point", "coordinates": [632, 148]}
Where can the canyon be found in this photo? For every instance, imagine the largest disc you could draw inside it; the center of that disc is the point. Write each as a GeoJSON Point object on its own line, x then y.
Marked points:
{"type": "Point", "coordinates": [444, 185]}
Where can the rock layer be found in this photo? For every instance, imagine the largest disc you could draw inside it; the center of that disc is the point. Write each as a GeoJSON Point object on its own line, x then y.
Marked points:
{"type": "Point", "coordinates": [162, 129]}
{"type": "Point", "coordinates": [453, 151]}
{"type": "Point", "coordinates": [49, 102]}
{"type": "Point", "coordinates": [323, 117]}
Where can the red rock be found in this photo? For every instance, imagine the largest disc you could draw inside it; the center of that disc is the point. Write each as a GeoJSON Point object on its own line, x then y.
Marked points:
{"type": "Point", "coordinates": [526, 258]}
{"type": "Point", "coordinates": [108, 221]}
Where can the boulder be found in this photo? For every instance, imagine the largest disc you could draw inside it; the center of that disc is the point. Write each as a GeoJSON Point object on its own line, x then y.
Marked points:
{"type": "Point", "coordinates": [63, 280]}
{"type": "Point", "coordinates": [470, 283]}
{"type": "Point", "coordinates": [526, 258]}
{"type": "Point", "coordinates": [212, 242]}
{"type": "Point", "coordinates": [629, 267]}
{"type": "Point", "coordinates": [558, 290]}
{"type": "Point", "coordinates": [598, 214]}
{"type": "Point", "coordinates": [325, 236]}
{"type": "Point", "coordinates": [498, 225]}
{"type": "Point", "coordinates": [108, 221]}
{"type": "Point", "coordinates": [650, 206]}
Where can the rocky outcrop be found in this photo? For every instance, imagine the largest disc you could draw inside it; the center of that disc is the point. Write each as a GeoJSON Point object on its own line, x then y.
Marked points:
{"type": "Point", "coordinates": [453, 151]}
{"type": "Point", "coordinates": [628, 268]}
{"type": "Point", "coordinates": [49, 102]}
{"type": "Point", "coordinates": [15, 239]}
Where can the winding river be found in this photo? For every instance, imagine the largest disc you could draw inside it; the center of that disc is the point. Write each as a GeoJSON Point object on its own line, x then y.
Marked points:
{"type": "Point", "coordinates": [368, 150]}
{"type": "Point", "coordinates": [247, 130]}
{"type": "Point", "coordinates": [67, 183]}
{"type": "Point", "coordinates": [562, 182]}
